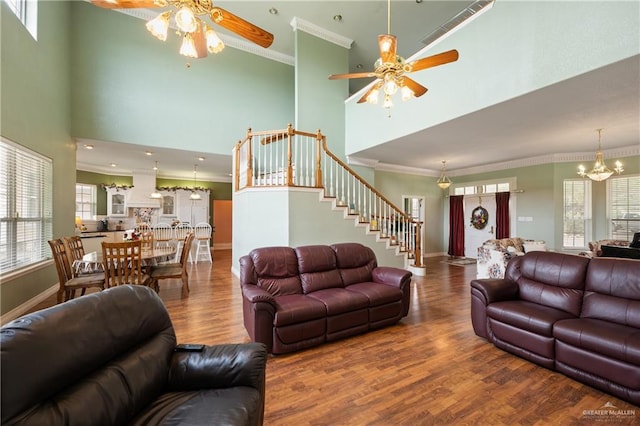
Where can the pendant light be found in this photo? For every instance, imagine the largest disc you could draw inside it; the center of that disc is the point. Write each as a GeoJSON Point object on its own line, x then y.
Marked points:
{"type": "Point", "coordinates": [444, 182]}
{"type": "Point", "coordinates": [194, 195]}
{"type": "Point", "coordinates": [155, 194]}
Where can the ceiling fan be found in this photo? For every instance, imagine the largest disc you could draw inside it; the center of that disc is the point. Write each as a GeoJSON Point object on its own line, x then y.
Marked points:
{"type": "Point", "coordinates": [391, 69]}
{"type": "Point", "coordinates": [198, 35]}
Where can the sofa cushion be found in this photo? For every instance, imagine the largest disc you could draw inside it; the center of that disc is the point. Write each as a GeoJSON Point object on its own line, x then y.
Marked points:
{"type": "Point", "coordinates": [277, 270]}
{"type": "Point", "coordinates": [553, 279]}
{"type": "Point", "coordinates": [318, 269]}
{"type": "Point", "coordinates": [612, 291]}
{"type": "Point", "coordinates": [613, 340]}
{"type": "Point", "coordinates": [538, 319]}
{"type": "Point", "coordinates": [297, 308]}
{"type": "Point", "coordinates": [229, 406]}
{"type": "Point", "coordinates": [354, 261]}
{"type": "Point", "coordinates": [339, 300]}
{"type": "Point", "coordinates": [378, 294]}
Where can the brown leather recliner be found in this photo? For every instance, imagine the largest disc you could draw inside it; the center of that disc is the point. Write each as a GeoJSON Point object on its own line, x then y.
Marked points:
{"type": "Point", "coordinates": [568, 313]}
{"type": "Point", "coordinates": [298, 298]}
{"type": "Point", "coordinates": [109, 359]}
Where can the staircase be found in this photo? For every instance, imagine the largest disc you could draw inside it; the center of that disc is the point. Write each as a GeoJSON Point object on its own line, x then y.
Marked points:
{"type": "Point", "coordinates": [295, 167]}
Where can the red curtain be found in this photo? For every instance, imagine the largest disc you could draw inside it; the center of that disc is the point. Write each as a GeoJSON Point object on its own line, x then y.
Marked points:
{"type": "Point", "coordinates": [502, 215]}
{"type": "Point", "coordinates": [456, 225]}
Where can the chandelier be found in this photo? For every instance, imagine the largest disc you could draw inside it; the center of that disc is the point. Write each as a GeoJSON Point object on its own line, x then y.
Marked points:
{"type": "Point", "coordinates": [197, 34]}
{"type": "Point", "coordinates": [444, 182]}
{"type": "Point", "coordinates": [600, 170]}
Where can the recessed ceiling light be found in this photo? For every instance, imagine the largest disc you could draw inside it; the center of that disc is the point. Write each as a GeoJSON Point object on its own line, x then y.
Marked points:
{"type": "Point", "coordinates": [337, 18]}
{"type": "Point", "coordinates": [359, 66]}
{"type": "Point", "coordinates": [273, 11]}
{"type": "Point", "coordinates": [148, 153]}
{"type": "Point", "coordinates": [88, 146]}
{"type": "Point", "coordinates": [200, 158]}
{"type": "Point", "coordinates": [113, 164]}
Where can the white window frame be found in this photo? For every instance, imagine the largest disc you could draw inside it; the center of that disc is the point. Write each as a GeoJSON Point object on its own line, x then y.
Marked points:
{"type": "Point", "coordinates": [572, 208]}
{"type": "Point", "coordinates": [27, 12]}
{"type": "Point", "coordinates": [26, 207]}
{"type": "Point", "coordinates": [86, 195]}
{"type": "Point", "coordinates": [620, 226]}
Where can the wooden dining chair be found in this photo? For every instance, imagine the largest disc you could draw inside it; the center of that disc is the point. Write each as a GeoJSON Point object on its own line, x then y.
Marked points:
{"type": "Point", "coordinates": [68, 284]}
{"type": "Point", "coordinates": [123, 264]}
{"type": "Point", "coordinates": [174, 270]}
{"type": "Point", "coordinates": [147, 239]}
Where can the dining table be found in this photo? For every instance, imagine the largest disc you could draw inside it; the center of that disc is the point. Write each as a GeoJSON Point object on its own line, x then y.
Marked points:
{"type": "Point", "coordinates": [92, 262]}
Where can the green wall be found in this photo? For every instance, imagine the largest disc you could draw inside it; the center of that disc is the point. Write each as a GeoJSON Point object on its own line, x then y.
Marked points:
{"type": "Point", "coordinates": [34, 112]}
{"type": "Point", "coordinates": [130, 87]}
{"type": "Point", "coordinates": [541, 199]}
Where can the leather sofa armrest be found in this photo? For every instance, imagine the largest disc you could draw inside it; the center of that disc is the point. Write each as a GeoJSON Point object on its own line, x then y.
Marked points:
{"type": "Point", "coordinates": [255, 294]}
{"type": "Point", "coordinates": [496, 289]}
{"type": "Point", "coordinates": [219, 366]}
{"type": "Point", "coordinates": [391, 276]}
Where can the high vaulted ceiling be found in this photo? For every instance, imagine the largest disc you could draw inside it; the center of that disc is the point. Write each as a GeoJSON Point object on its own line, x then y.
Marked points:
{"type": "Point", "coordinates": [571, 110]}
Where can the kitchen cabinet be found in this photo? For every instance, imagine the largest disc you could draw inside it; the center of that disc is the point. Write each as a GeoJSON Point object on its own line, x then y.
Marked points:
{"type": "Point", "coordinates": [116, 202]}
{"type": "Point", "coordinates": [169, 208]}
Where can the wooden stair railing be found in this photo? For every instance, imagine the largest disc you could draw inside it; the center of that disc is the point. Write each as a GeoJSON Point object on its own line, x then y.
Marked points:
{"type": "Point", "coordinates": [293, 158]}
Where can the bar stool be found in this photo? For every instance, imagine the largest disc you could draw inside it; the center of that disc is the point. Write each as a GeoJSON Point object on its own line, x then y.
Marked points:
{"type": "Point", "coordinates": [163, 234]}
{"type": "Point", "coordinates": [202, 232]}
{"type": "Point", "coordinates": [180, 232]}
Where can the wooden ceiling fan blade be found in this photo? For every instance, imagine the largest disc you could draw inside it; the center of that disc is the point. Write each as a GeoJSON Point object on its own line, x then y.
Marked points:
{"type": "Point", "coordinates": [352, 75]}
{"type": "Point", "coordinates": [373, 88]}
{"type": "Point", "coordinates": [417, 88]}
{"type": "Point", "coordinates": [243, 28]}
{"type": "Point", "coordinates": [128, 4]}
{"type": "Point", "coordinates": [433, 61]}
{"type": "Point", "coordinates": [387, 44]}
{"type": "Point", "coordinates": [200, 42]}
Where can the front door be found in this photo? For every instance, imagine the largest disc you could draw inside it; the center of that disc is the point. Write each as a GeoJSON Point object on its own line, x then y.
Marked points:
{"type": "Point", "coordinates": [477, 231]}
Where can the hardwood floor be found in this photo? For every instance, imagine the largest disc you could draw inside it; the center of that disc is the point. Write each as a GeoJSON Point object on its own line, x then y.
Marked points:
{"type": "Point", "coordinates": [430, 369]}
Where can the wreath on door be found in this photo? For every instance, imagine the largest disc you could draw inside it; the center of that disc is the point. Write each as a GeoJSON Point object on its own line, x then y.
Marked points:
{"type": "Point", "coordinates": [479, 217]}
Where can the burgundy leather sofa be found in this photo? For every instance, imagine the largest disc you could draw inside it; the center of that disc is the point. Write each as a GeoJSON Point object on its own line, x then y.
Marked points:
{"type": "Point", "coordinates": [572, 314]}
{"type": "Point", "coordinates": [108, 359]}
{"type": "Point", "coordinates": [296, 298]}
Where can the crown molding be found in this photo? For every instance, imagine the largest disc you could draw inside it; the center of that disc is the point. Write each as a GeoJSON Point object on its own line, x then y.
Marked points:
{"type": "Point", "coordinates": [324, 34]}
{"type": "Point", "coordinates": [609, 155]}
{"type": "Point", "coordinates": [228, 40]}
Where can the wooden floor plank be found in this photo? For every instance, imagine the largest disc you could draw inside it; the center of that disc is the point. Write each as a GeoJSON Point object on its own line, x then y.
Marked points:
{"type": "Point", "coordinates": [430, 369]}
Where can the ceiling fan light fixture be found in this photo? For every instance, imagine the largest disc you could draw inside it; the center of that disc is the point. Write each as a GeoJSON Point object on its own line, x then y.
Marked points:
{"type": "Point", "coordinates": [372, 98]}
{"type": "Point", "coordinates": [188, 47]}
{"type": "Point", "coordinates": [390, 86]}
{"type": "Point", "coordinates": [186, 20]}
{"type": "Point", "coordinates": [214, 43]}
{"type": "Point", "coordinates": [406, 93]}
{"type": "Point", "coordinates": [159, 25]}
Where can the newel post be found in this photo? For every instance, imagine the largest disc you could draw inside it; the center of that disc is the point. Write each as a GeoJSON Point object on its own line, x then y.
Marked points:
{"type": "Point", "coordinates": [418, 253]}
{"type": "Point", "coordinates": [249, 159]}
{"type": "Point", "coordinates": [289, 155]}
{"type": "Point", "coordinates": [319, 138]}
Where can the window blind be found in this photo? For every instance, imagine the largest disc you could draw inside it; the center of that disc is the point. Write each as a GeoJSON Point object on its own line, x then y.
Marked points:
{"type": "Point", "coordinates": [25, 207]}
{"type": "Point", "coordinates": [623, 206]}
{"type": "Point", "coordinates": [576, 213]}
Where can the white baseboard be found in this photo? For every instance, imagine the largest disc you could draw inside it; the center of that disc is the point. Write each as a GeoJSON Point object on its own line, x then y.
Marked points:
{"type": "Point", "coordinates": [20, 310]}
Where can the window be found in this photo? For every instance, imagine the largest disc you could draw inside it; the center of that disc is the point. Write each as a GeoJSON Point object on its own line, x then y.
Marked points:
{"type": "Point", "coordinates": [85, 201]}
{"type": "Point", "coordinates": [623, 207]}
{"type": "Point", "coordinates": [576, 213]}
{"type": "Point", "coordinates": [25, 207]}
{"type": "Point", "coordinates": [489, 188]}
{"type": "Point", "coordinates": [27, 13]}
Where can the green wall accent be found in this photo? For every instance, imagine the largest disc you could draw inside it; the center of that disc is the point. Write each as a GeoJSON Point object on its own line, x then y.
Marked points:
{"type": "Point", "coordinates": [130, 87]}
{"type": "Point", "coordinates": [319, 102]}
{"type": "Point", "coordinates": [34, 112]}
